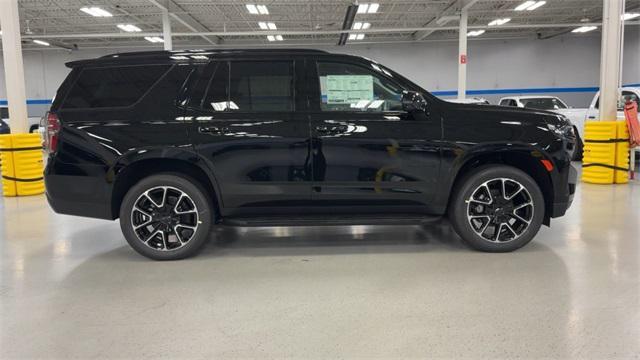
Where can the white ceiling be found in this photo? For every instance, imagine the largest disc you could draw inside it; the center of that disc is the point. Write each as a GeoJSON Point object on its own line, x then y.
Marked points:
{"type": "Point", "coordinates": [398, 19]}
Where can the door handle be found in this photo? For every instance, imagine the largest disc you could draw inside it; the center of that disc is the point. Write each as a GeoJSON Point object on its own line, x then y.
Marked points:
{"type": "Point", "coordinates": [212, 130]}
{"type": "Point", "coordinates": [333, 129]}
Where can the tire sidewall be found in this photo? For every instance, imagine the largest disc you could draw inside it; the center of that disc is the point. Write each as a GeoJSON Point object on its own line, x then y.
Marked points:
{"type": "Point", "coordinates": [458, 210]}
{"type": "Point", "coordinates": [195, 192]}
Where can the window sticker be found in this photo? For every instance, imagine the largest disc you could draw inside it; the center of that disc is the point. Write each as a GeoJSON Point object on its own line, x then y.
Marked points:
{"type": "Point", "coordinates": [346, 89]}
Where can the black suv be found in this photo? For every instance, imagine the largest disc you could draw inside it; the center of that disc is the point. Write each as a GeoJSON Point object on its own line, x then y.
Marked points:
{"type": "Point", "coordinates": [174, 143]}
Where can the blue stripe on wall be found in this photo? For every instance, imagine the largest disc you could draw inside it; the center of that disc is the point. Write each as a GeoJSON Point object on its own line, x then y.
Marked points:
{"type": "Point", "coordinates": [31, 102]}
{"type": "Point", "coordinates": [443, 92]}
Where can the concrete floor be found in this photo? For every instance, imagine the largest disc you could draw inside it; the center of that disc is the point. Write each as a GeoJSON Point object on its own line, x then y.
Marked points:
{"type": "Point", "coordinates": [71, 287]}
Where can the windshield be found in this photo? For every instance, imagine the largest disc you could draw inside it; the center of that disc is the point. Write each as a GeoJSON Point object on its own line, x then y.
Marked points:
{"type": "Point", "coordinates": [543, 103]}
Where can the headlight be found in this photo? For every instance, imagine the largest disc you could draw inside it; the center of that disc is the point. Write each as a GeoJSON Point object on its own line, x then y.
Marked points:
{"type": "Point", "coordinates": [565, 130]}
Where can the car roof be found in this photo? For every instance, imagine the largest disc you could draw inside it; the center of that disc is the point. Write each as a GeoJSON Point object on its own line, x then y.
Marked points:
{"type": "Point", "coordinates": [176, 55]}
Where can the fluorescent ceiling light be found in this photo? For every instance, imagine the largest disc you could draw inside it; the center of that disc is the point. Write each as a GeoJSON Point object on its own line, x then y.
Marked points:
{"type": "Point", "coordinates": [360, 37]}
{"type": "Point", "coordinates": [40, 42]}
{"type": "Point", "coordinates": [129, 28]}
{"type": "Point", "coordinates": [361, 25]}
{"type": "Point", "coordinates": [252, 9]}
{"type": "Point", "coordinates": [275, 38]}
{"type": "Point", "coordinates": [263, 25]}
{"type": "Point", "coordinates": [536, 5]}
{"type": "Point", "coordinates": [154, 39]}
{"type": "Point", "coordinates": [629, 16]}
{"type": "Point", "coordinates": [529, 5]}
{"type": "Point", "coordinates": [95, 11]}
{"type": "Point", "coordinates": [475, 33]}
{"type": "Point", "coordinates": [257, 9]}
{"type": "Point", "coordinates": [356, 36]}
{"type": "Point", "coordinates": [368, 8]}
{"type": "Point", "coordinates": [498, 22]}
{"type": "Point", "coordinates": [584, 29]}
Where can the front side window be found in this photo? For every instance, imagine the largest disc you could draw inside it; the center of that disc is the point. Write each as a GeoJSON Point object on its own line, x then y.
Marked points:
{"type": "Point", "coordinates": [112, 86]}
{"type": "Point", "coordinates": [348, 87]}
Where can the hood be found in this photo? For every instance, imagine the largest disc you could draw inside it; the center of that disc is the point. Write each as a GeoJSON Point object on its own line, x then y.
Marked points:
{"type": "Point", "coordinates": [505, 113]}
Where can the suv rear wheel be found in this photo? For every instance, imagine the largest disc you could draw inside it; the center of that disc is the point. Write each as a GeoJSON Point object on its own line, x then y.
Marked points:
{"type": "Point", "coordinates": [497, 208]}
{"type": "Point", "coordinates": [166, 217]}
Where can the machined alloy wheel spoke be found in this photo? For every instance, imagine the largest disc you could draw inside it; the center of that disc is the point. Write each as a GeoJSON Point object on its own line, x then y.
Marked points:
{"type": "Point", "coordinates": [509, 210]}
{"type": "Point", "coordinates": [164, 218]}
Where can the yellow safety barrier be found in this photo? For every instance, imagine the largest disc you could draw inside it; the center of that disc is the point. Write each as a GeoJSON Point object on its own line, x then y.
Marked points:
{"type": "Point", "coordinates": [606, 152]}
{"type": "Point", "coordinates": [21, 159]}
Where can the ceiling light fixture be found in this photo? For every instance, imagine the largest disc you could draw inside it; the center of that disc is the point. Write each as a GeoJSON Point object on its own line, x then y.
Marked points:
{"type": "Point", "coordinates": [128, 28]}
{"type": "Point", "coordinates": [356, 36]}
{"type": "Point", "coordinates": [257, 9]}
{"type": "Point", "coordinates": [529, 5]}
{"type": "Point", "coordinates": [629, 16]}
{"type": "Point", "coordinates": [475, 33]}
{"type": "Point", "coordinates": [584, 29]}
{"type": "Point", "coordinates": [499, 22]}
{"type": "Point", "coordinates": [371, 8]}
{"type": "Point", "coordinates": [361, 25]}
{"type": "Point", "coordinates": [40, 42]}
{"type": "Point", "coordinates": [96, 11]}
{"type": "Point", "coordinates": [154, 39]}
{"type": "Point", "coordinates": [275, 38]}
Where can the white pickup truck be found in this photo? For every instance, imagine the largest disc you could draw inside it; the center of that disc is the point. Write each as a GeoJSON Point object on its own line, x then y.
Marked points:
{"type": "Point", "coordinates": [34, 122]}
{"type": "Point", "coordinates": [579, 116]}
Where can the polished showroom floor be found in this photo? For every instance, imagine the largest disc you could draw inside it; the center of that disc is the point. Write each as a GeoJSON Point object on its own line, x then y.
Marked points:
{"type": "Point", "coordinates": [71, 287]}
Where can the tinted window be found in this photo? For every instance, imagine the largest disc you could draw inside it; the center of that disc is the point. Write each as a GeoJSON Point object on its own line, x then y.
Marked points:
{"type": "Point", "coordinates": [217, 94]}
{"type": "Point", "coordinates": [4, 113]}
{"type": "Point", "coordinates": [543, 103]}
{"type": "Point", "coordinates": [506, 102]}
{"type": "Point", "coordinates": [112, 86]}
{"type": "Point", "coordinates": [254, 86]}
{"type": "Point", "coordinates": [347, 87]}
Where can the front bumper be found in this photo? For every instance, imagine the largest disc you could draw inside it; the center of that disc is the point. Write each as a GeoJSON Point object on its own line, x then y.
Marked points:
{"type": "Point", "coordinates": [565, 193]}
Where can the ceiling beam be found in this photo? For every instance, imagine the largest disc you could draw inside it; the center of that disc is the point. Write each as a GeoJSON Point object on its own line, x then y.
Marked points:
{"type": "Point", "coordinates": [461, 5]}
{"type": "Point", "coordinates": [308, 32]}
{"type": "Point", "coordinates": [180, 15]}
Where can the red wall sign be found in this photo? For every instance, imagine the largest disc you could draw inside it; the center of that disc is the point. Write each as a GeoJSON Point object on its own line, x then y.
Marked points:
{"type": "Point", "coordinates": [463, 59]}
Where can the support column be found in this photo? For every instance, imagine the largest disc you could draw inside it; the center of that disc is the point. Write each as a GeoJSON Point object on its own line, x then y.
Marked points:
{"type": "Point", "coordinates": [462, 54]}
{"type": "Point", "coordinates": [13, 66]}
{"type": "Point", "coordinates": [610, 58]}
{"type": "Point", "coordinates": [166, 30]}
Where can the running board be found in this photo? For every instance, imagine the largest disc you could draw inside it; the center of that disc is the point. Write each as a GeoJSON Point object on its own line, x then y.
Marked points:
{"type": "Point", "coordinates": [331, 220]}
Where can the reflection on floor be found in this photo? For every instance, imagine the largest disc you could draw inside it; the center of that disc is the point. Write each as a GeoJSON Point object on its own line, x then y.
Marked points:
{"type": "Point", "coordinates": [71, 287]}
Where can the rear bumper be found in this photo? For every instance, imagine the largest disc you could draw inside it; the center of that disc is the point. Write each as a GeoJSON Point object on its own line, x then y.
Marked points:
{"type": "Point", "coordinates": [79, 191]}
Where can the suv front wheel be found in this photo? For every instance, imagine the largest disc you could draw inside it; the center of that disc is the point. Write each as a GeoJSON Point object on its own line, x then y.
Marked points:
{"type": "Point", "coordinates": [166, 217]}
{"type": "Point", "coordinates": [497, 208]}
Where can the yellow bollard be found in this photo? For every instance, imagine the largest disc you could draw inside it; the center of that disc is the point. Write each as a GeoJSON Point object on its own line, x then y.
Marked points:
{"type": "Point", "coordinates": [22, 164]}
{"type": "Point", "coordinates": [606, 153]}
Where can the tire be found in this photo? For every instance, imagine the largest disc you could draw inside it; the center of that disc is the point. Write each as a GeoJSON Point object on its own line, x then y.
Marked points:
{"type": "Point", "coordinates": [176, 230]}
{"type": "Point", "coordinates": [476, 219]}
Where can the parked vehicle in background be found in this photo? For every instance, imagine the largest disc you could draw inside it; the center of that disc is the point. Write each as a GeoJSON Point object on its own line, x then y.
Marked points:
{"type": "Point", "coordinates": [4, 128]}
{"type": "Point", "coordinates": [474, 100]}
{"type": "Point", "coordinates": [175, 143]}
{"type": "Point", "coordinates": [534, 102]}
{"type": "Point", "coordinates": [549, 103]}
{"type": "Point", "coordinates": [579, 116]}
{"type": "Point", "coordinates": [34, 122]}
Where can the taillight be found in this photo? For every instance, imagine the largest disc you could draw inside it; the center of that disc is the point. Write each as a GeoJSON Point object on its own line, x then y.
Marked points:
{"type": "Point", "coordinates": [51, 133]}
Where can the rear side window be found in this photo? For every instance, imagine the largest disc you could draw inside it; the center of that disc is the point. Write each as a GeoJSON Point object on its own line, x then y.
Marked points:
{"type": "Point", "coordinates": [4, 113]}
{"type": "Point", "coordinates": [112, 86]}
{"type": "Point", "coordinates": [261, 86]}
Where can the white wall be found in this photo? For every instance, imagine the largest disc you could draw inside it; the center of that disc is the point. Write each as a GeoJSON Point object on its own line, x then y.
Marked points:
{"type": "Point", "coordinates": [569, 61]}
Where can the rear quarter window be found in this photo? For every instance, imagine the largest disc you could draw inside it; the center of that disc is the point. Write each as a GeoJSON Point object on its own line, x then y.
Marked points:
{"type": "Point", "coordinates": [112, 86]}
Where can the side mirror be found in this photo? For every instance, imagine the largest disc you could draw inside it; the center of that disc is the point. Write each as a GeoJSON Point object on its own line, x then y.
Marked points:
{"type": "Point", "coordinates": [413, 101]}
